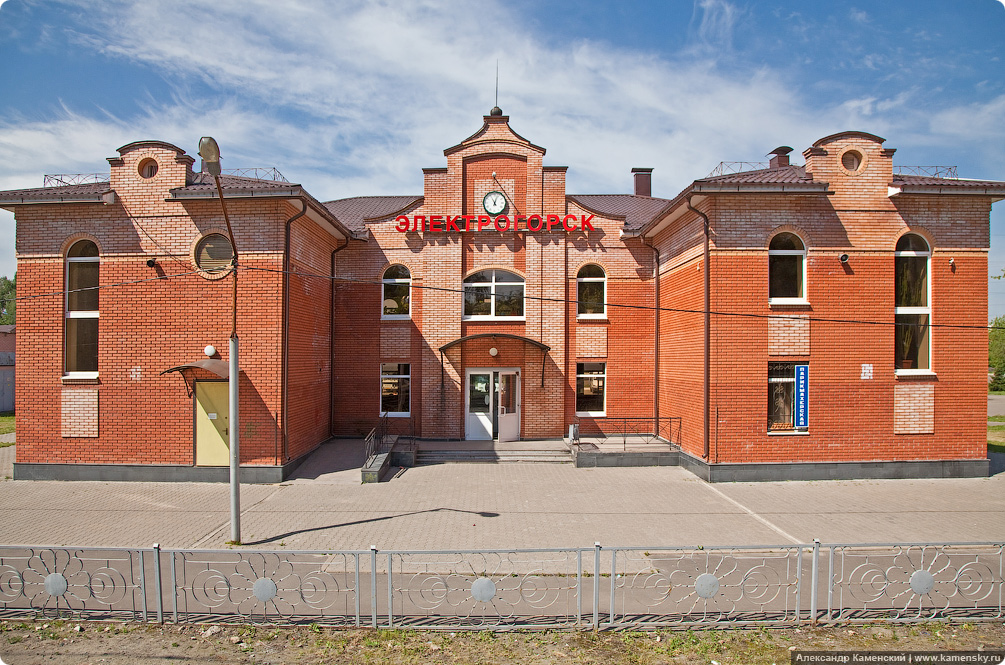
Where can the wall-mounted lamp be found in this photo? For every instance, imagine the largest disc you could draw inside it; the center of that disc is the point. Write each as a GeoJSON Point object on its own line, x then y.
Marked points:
{"type": "Point", "coordinates": [151, 263]}
{"type": "Point", "coordinates": [843, 258]}
{"type": "Point", "coordinates": [210, 350]}
{"type": "Point", "coordinates": [493, 352]}
{"type": "Point", "coordinates": [952, 262]}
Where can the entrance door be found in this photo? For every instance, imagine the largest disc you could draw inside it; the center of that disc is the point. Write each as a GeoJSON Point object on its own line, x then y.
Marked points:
{"type": "Point", "coordinates": [492, 405]}
{"type": "Point", "coordinates": [478, 424]}
{"type": "Point", "coordinates": [509, 406]}
{"type": "Point", "coordinates": [212, 423]}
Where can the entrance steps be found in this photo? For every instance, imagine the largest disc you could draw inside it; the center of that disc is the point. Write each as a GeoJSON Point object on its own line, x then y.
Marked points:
{"type": "Point", "coordinates": [438, 452]}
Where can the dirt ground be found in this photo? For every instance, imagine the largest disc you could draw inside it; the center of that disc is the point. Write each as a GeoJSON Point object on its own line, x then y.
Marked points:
{"type": "Point", "coordinates": [90, 643]}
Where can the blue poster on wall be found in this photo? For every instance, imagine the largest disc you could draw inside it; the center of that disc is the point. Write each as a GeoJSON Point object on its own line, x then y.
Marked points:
{"type": "Point", "coordinates": [802, 395]}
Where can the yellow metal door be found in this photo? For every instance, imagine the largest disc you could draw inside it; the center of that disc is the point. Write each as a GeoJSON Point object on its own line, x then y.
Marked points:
{"type": "Point", "coordinates": [212, 426]}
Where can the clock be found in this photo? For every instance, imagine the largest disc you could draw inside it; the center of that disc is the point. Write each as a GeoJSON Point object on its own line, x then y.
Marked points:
{"type": "Point", "coordinates": [494, 202]}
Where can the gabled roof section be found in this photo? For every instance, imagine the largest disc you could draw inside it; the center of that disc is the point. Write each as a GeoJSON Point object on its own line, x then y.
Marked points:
{"type": "Point", "coordinates": [358, 211]}
{"type": "Point", "coordinates": [496, 129]}
{"type": "Point", "coordinates": [916, 184]}
{"type": "Point", "coordinates": [780, 177]}
{"type": "Point", "coordinates": [86, 193]}
{"type": "Point", "coordinates": [202, 186]}
{"type": "Point", "coordinates": [636, 211]}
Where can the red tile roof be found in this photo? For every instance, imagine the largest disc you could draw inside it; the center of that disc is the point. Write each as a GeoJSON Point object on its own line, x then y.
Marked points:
{"type": "Point", "coordinates": [355, 212]}
{"type": "Point", "coordinates": [635, 210]}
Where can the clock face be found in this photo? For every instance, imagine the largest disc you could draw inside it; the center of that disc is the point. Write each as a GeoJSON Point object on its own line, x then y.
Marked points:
{"type": "Point", "coordinates": [494, 203]}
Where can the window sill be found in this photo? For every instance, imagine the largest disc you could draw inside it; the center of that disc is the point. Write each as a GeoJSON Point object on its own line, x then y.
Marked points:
{"type": "Point", "coordinates": [591, 414]}
{"type": "Point", "coordinates": [495, 319]}
{"type": "Point", "coordinates": [396, 414]}
{"type": "Point", "coordinates": [80, 378]}
{"type": "Point", "coordinates": [788, 302]}
{"type": "Point", "coordinates": [593, 318]}
{"type": "Point", "coordinates": [395, 317]}
{"type": "Point", "coordinates": [914, 372]}
{"type": "Point", "coordinates": [788, 432]}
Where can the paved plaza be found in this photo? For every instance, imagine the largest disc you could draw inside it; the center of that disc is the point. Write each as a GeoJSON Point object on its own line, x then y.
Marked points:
{"type": "Point", "coordinates": [497, 506]}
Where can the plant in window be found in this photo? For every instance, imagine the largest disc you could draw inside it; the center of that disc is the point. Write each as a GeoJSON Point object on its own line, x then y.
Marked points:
{"type": "Point", "coordinates": [397, 285]}
{"type": "Point", "coordinates": [591, 283]}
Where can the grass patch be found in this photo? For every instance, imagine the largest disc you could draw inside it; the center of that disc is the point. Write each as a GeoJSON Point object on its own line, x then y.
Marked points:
{"type": "Point", "coordinates": [996, 447]}
{"type": "Point", "coordinates": [996, 419]}
{"type": "Point", "coordinates": [6, 423]}
{"type": "Point", "coordinates": [996, 392]}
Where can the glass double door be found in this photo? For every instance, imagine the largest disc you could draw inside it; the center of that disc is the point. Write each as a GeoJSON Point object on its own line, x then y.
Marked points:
{"type": "Point", "coordinates": [492, 404]}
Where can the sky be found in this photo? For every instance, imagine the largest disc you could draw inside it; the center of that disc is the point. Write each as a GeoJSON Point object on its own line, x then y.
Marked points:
{"type": "Point", "coordinates": [353, 98]}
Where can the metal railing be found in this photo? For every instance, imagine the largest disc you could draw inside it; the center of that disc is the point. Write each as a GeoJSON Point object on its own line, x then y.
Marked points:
{"type": "Point", "coordinates": [601, 429]}
{"type": "Point", "coordinates": [931, 171]}
{"type": "Point", "coordinates": [577, 588]}
{"type": "Point", "coordinates": [64, 179]}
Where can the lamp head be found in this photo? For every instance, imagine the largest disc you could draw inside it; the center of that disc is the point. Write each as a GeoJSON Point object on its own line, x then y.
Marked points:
{"type": "Point", "coordinates": [209, 150]}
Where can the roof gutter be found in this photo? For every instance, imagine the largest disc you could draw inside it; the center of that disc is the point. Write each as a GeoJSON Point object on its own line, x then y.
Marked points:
{"type": "Point", "coordinates": [656, 336]}
{"type": "Point", "coordinates": [706, 380]}
{"type": "Point", "coordinates": [331, 344]}
{"type": "Point", "coordinates": [284, 395]}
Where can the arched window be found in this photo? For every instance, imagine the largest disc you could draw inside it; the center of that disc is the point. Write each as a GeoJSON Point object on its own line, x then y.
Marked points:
{"type": "Point", "coordinates": [591, 289]}
{"type": "Point", "coordinates": [493, 294]}
{"type": "Point", "coordinates": [786, 269]}
{"type": "Point", "coordinates": [397, 284]}
{"type": "Point", "coordinates": [81, 313]}
{"type": "Point", "coordinates": [912, 308]}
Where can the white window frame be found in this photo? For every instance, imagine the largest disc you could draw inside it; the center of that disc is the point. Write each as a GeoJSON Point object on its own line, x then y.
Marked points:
{"type": "Point", "coordinates": [492, 294]}
{"type": "Point", "coordinates": [802, 298]}
{"type": "Point", "coordinates": [77, 313]}
{"type": "Point", "coordinates": [594, 280]}
{"type": "Point", "coordinates": [594, 414]}
{"type": "Point", "coordinates": [396, 414]}
{"type": "Point", "coordinates": [383, 284]}
{"type": "Point", "coordinates": [926, 311]}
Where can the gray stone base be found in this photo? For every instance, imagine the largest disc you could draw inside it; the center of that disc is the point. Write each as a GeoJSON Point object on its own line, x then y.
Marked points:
{"type": "Point", "coordinates": [375, 468]}
{"type": "Point", "coordinates": [585, 458]}
{"type": "Point", "coordinates": [591, 457]}
{"type": "Point", "coordinates": [746, 473]}
{"type": "Point", "coordinates": [164, 473]}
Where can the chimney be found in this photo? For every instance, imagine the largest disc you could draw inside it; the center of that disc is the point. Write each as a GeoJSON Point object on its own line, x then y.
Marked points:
{"type": "Point", "coordinates": [643, 182]}
{"type": "Point", "coordinates": [779, 157]}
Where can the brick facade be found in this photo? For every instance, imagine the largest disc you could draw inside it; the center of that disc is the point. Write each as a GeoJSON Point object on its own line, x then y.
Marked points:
{"type": "Point", "coordinates": [313, 337]}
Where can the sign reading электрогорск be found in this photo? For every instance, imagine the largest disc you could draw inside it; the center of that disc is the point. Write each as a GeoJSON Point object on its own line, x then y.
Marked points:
{"type": "Point", "coordinates": [895, 657]}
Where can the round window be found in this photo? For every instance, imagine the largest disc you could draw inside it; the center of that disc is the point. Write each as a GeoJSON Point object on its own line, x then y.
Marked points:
{"type": "Point", "coordinates": [148, 168]}
{"type": "Point", "coordinates": [214, 253]}
{"type": "Point", "coordinates": [852, 160]}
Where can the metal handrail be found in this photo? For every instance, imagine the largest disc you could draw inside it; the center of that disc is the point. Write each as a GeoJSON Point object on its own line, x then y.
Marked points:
{"type": "Point", "coordinates": [666, 430]}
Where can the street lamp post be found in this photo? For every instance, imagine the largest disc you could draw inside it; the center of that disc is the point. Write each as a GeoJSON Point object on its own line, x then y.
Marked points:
{"type": "Point", "coordinates": [210, 153]}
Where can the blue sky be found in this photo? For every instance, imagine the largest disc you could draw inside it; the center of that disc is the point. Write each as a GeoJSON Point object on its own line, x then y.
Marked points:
{"type": "Point", "coordinates": [353, 98]}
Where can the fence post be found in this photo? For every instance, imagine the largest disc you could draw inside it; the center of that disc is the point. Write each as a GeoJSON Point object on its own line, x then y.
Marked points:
{"type": "Point", "coordinates": [143, 583]}
{"type": "Point", "coordinates": [596, 586]}
{"type": "Point", "coordinates": [373, 586]}
{"type": "Point", "coordinates": [157, 581]}
{"type": "Point", "coordinates": [814, 579]}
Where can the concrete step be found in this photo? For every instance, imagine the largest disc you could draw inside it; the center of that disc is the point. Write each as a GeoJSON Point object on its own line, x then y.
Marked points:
{"type": "Point", "coordinates": [491, 456]}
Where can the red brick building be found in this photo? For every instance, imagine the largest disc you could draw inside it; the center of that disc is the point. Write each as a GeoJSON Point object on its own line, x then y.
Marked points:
{"type": "Point", "coordinates": [815, 321]}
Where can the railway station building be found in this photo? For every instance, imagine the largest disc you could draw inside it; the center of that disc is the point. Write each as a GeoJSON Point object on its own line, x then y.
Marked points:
{"type": "Point", "coordinates": [816, 320]}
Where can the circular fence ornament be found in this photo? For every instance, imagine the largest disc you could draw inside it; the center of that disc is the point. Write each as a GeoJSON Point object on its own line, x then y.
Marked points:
{"type": "Point", "coordinates": [483, 589]}
{"type": "Point", "coordinates": [264, 589]}
{"type": "Point", "coordinates": [55, 584]}
{"type": "Point", "coordinates": [922, 582]}
{"type": "Point", "coordinates": [707, 585]}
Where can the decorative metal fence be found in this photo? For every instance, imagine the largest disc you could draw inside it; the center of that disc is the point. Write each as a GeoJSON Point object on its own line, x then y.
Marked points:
{"type": "Point", "coordinates": [575, 588]}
